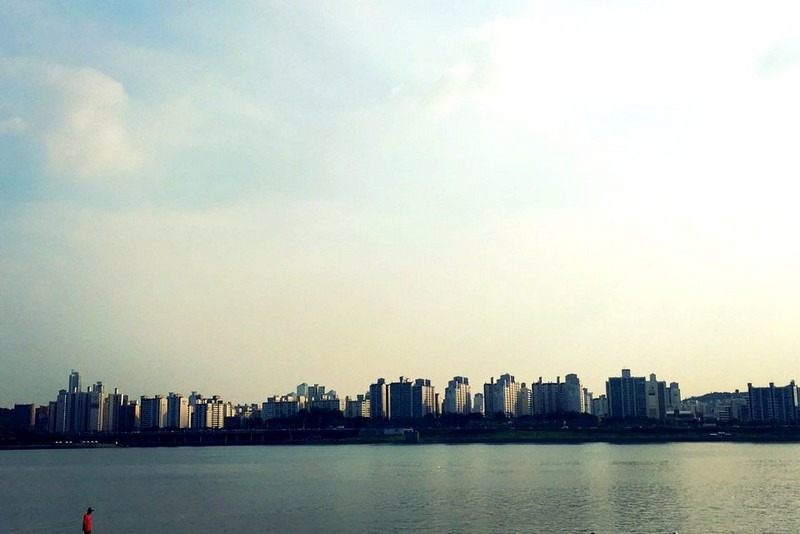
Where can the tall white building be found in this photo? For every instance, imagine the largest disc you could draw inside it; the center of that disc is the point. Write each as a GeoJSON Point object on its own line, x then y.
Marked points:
{"type": "Point", "coordinates": [211, 413]}
{"type": "Point", "coordinates": [524, 401]}
{"type": "Point", "coordinates": [111, 411]}
{"type": "Point", "coordinates": [424, 398]}
{"type": "Point", "coordinates": [656, 398]}
{"type": "Point", "coordinates": [178, 411]}
{"type": "Point", "coordinates": [458, 396]}
{"type": "Point", "coordinates": [501, 396]}
{"type": "Point", "coordinates": [78, 411]}
{"type": "Point", "coordinates": [72, 408]}
{"type": "Point", "coordinates": [97, 397]}
{"type": "Point", "coordinates": [572, 395]}
{"type": "Point", "coordinates": [587, 401]}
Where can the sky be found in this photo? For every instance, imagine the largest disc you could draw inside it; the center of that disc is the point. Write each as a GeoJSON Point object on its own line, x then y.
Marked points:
{"type": "Point", "coordinates": [238, 197]}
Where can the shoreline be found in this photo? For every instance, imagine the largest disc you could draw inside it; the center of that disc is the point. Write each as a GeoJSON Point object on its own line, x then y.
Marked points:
{"type": "Point", "coordinates": [230, 438]}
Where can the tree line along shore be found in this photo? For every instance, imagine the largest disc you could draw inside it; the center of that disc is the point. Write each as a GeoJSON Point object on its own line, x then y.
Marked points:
{"type": "Point", "coordinates": [410, 435]}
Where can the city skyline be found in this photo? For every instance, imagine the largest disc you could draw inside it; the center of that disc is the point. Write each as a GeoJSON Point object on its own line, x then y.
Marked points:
{"type": "Point", "coordinates": [77, 382]}
{"type": "Point", "coordinates": [236, 197]}
{"type": "Point", "coordinates": [627, 398]}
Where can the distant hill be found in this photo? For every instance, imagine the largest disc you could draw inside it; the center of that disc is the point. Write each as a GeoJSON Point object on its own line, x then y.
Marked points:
{"type": "Point", "coordinates": [717, 396]}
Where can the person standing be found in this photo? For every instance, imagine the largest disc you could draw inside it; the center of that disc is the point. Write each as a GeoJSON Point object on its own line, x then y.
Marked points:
{"type": "Point", "coordinates": [87, 521]}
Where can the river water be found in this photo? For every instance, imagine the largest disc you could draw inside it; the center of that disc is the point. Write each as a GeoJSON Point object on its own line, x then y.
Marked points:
{"type": "Point", "coordinates": [599, 488]}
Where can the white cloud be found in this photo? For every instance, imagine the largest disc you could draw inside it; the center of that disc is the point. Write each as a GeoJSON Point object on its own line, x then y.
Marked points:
{"type": "Point", "coordinates": [88, 137]}
{"type": "Point", "coordinates": [80, 115]}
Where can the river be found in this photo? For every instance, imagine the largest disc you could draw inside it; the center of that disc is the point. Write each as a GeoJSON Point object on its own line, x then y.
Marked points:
{"type": "Point", "coordinates": [601, 488]}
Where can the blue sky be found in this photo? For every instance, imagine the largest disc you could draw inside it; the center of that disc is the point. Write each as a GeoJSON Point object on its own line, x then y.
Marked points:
{"type": "Point", "coordinates": [238, 197]}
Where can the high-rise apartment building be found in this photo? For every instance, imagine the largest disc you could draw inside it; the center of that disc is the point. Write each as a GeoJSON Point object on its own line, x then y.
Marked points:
{"type": "Point", "coordinates": [478, 404]}
{"type": "Point", "coordinates": [72, 408]}
{"type": "Point", "coordinates": [572, 400]}
{"type": "Point", "coordinates": [302, 390]}
{"type": "Point", "coordinates": [739, 407]}
{"type": "Point", "coordinates": [547, 397]}
{"type": "Point", "coordinates": [58, 413]}
{"type": "Point", "coordinates": [24, 416]}
{"type": "Point", "coordinates": [673, 397]}
{"type": "Point", "coordinates": [178, 411]}
{"type": "Point", "coordinates": [76, 411]}
{"type": "Point", "coordinates": [358, 407]}
{"type": "Point", "coordinates": [323, 401]}
{"type": "Point", "coordinates": [96, 402]}
{"type": "Point", "coordinates": [501, 397]}
{"type": "Point", "coordinates": [600, 407]}
{"type": "Point", "coordinates": [111, 408]}
{"type": "Point", "coordinates": [657, 399]}
{"type": "Point", "coordinates": [458, 396]}
{"type": "Point", "coordinates": [524, 401]}
{"type": "Point", "coordinates": [211, 413]}
{"type": "Point", "coordinates": [280, 407]}
{"type": "Point", "coordinates": [74, 382]}
{"type": "Point", "coordinates": [424, 398]}
{"type": "Point", "coordinates": [401, 404]}
{"type": "Point", "coordinates": [587, 401]}
{"type": "Point", "coordinates": [315, 392]}
{"type": "Point", "coordinates": [411, 400]}
{"type": "Point", "coordinates": [627, 396]}
{"type": "Point", "coordinates": [153, 412]}
{"type": "Point", "coordinates": [379, 400]}
{"type": "Point", "coordinates": [129, 416]}
{"type": "Point", "coordinates": [773, 404]}
{"type": "Point", "coordinates": [550, 398]}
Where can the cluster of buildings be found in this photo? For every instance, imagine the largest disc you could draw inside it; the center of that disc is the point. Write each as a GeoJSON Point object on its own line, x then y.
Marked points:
{"type": "Point", "coordinates": [76, 410]}
{"type": "Point", "coordinates": [627, 397]}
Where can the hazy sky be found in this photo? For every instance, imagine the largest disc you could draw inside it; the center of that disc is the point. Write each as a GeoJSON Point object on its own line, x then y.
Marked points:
{"type": "Point", "coordinates": [236, 197]}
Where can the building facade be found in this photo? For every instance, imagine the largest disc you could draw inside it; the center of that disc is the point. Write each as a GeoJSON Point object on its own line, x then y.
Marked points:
{"type": "Point", "coordinates": [280, 407]}
{"type": "Point", "coordinates": [458, 396]}
{"type": "Point", "coordinates": [153, 414]}
{"type": "Point", "coordinates": [657, 399]}
{"type": "Point", "coordinates": [379, 400]}
{"type": "Point", "coordinates": [358, 407]}
{"type": "Point", "coordinates": [411, 400]}
{"type": "Point", "coordinates": [178, 411]}
{"type": "Point", "coordinates": [627, 396]}
{"type": "Point", "coordinates": [500, 397]}
{"type": "Point", "coordinates": [773, 404]}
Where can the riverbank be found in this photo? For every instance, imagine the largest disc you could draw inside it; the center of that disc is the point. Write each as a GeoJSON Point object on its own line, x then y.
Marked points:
{"type": "Point", "coordinates": [379, 436]}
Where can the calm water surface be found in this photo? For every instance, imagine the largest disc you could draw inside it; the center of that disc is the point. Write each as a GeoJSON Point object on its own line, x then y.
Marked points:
{"type": "Point", "coordinates": [600, 488]}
